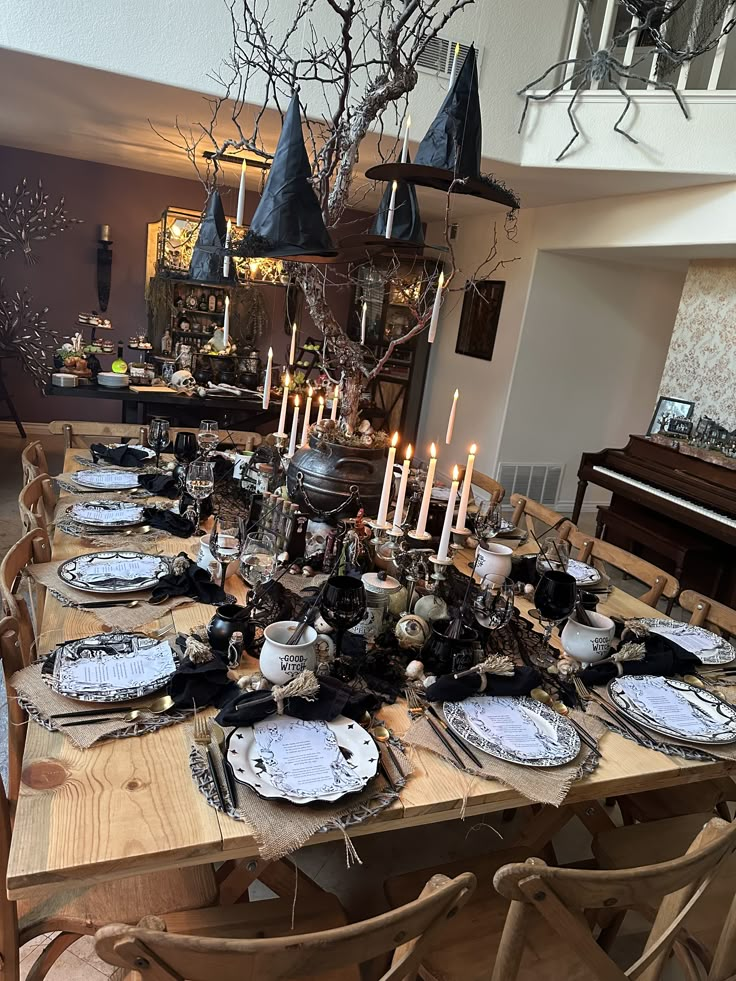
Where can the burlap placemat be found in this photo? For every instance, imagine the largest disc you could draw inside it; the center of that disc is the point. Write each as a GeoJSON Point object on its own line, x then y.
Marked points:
{"type": "Point", "coordinates": [280, 828]}
{"type": "Point", "coordinates": [542, 785]}
{"type": "Point", "coordinates": [114, 618]}
{"type": "Point", "coordinates": [40, 701]}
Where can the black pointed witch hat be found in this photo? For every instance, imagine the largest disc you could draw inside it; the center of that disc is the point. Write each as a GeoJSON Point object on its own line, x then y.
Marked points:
{"type": "Point", "coordinates": [407, 226]}
{"type": "Point", "coordinates": [206, 263]}
{"type": "Point", "coordinates": [448, 157]}
{"type": "Point", "coordinates": [288, 222]}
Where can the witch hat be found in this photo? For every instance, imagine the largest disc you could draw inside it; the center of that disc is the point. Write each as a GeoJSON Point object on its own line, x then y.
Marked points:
{"type": "Point", "coordinates": [288, 222]}
{"type": "Point", "coordinates": [407, 224]}
{"type": "Point", "coordinates": [206, 264]}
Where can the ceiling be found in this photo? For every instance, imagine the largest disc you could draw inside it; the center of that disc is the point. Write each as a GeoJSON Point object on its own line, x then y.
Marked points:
{"type": "Point", "coordinates": [74, 111]}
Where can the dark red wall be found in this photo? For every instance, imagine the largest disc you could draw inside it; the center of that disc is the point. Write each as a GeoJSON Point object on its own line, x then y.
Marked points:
{"type": "Point", "coordinates": [64, 279]}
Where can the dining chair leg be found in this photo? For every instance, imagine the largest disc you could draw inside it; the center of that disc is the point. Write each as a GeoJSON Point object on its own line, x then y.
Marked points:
{"type": "Point", "coordinates": [511, 947]}
{"type": "Point", "coordinates": [50, 954]}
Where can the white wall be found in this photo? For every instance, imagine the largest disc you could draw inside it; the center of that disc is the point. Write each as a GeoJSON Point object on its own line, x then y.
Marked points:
{"type": "Point", "coordinates": [594, 341]}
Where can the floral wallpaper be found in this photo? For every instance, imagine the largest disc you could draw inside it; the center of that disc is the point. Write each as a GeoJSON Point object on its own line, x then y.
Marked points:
{"type": "Point", "coordinates": [701, 361]}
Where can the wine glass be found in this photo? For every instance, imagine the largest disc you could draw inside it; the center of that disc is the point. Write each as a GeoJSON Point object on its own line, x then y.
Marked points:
{"type": "Point", "coordinates": [200, 482]}
{"type": "Point", "coordinates": [185, 448]}
{"type": "Point", "coordinates": [258, 558]}
{"type": "Point", "coordinates": [488, 520]}
{"type": "Point", "coordinates": [554, 599]}
{"type": "Point", "coordinates": [554, 556]}
{"type": "Point", "coordinates": [158, 435]}
{"type": "Point", "coordinates": [494, 603]}
{"type": "Point", "coordinates": [208, 436]}
{"type": "Point", "coordinates": [225, 545]}
{"type": "Point", "coordinates": [343, 605]}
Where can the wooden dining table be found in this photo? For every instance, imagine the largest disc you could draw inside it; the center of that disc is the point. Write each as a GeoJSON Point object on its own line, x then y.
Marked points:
{"type": "Point", "coordinates": [128, 806]}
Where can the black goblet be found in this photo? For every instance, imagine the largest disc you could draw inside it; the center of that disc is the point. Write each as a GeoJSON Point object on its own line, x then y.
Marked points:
{"type": "Point", "coordinates": [554, 599]}
{"type": "Point", "coordinates": [185, 448]}
{"type": "Point", "coordinates": [343, 605]}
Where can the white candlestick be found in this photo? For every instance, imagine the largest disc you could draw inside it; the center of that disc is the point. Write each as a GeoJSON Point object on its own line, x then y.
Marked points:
{"type": "Point", "coordinates": [241, 196]}
{"type": "Point", "coordinates": [284, 402]}
{"type": "Point", "coordinates": [451, 420]}
{"type": "Point", "coordinates": [399, 509]}
{"type": "Point", "coordinates": [333, 414]}
{"type": "Point", "coordinates": [391, 211]}
{"type": "Point", "coordinates": [226, 323]}
{"type": "Point", "coordinates": [454, 65]}
{"type": "Point", "coordinates": [449, 514]}
{"type": "Point", "coordinates": [362, 322]}
{"type": "Point", "coordinates": [424, 510]}
{"type": "Point", "coordinates": [292, 349]}
{"type": "Point", "coordinates": [436, 309]}
{"type": "Point", "coordinates": [321, 409]}
{"type": "Point", "coordinates": [465, 496]}
{"type": "Point", "coordinates": [226, 260]}
{"type": "Point", "coordinates": [307, 413]}
{"type": "Point", "coordinates": [405, 148]}
{"type": "Point", "coordinates": [267, 379]}
{"type": "Point", "coordinates": [294, 427]}
{"type": "Point", "coordinates": [388, 480]}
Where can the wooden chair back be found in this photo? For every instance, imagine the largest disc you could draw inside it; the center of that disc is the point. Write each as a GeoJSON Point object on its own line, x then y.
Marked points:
{"type": "Point", "coordinates": [15, 585]}
{"type": "Point", "coordinates": [599, 554]}
{"type": "Point", "coordinates": [406, 931]}
{"type": "Point", "coordinates": [708, 613]}
{"type": "Point", "coordinates": [82, 434]}
{"type": "Point", "coordinates": [33, 460]}
{"type": "Point", "coordinates": [563, 896]}
{"type": "Point", "coordinates": [14, 657]}
{"type": "Point", "coordinates": [37, 503]}
{"type": "Point", "coordinates": [538, 518]}
{"type": "Point", "coordinates": [491, 487]}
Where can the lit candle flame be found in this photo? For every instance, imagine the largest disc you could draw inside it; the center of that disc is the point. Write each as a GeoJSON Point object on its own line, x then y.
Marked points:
{"type": "Point", "coordinates": [309, 393]}
{"type": "Point", "coordinates": [457, 393]}
{"type": "Point", "coordinates": [455, 473]}
{"type": "Point", "coordinates": [457, 48]}
{"type": "Point", "coordinates": [287, 380]}
{"type": "Point", "coordinates": [321, 400]}
{"type": "Point", "coordinates": [408, 123]}
{"type": "Point", "coordinates": [408, 452]}
{"type": "Point", "coordinates": [270, 353]}
{"type": "Point", "coordinates": [433, 451]}
{"type": "Point", "coordinates": [395, 439]}
{"type": "Point", "coordinates": [296, 401]}
{"type": "Point", "coordinates": [395, 186]}
{"type": "Point", "coordinates": [473, 449]}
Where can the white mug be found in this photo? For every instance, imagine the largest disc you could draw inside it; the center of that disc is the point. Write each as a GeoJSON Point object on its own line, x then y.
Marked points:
{"type": "Point", "coordinates": [493, 560]}
{"type": "Point", "coordinates": [281, 661]}
{"type": "Point", "coordinates": [588, 643]}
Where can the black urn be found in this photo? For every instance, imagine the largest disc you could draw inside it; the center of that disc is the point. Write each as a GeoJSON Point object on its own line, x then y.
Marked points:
{"type": "Point", "coordinates": [324, 477]}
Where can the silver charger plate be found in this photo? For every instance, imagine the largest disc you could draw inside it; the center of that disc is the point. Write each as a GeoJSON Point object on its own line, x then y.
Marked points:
{"type": "Point", "coordinates": [249, 767]}
{"type": "Point", "coordinates": [708, 719]}
{"type": "Point", "coordinates": [485, 721]}
{"type": "Point", "coordinates": [720, 651]}
{"type": "Point", "coordinates": [584, 574]}
{"type": "Point", "coordinates": [106, 513]}
{"type": "Point", "coordinates": [113, 667]}
{"type": "Point", "coordinates": [114, 571]}
{"type": "Point", "coordinates": [106, 479]}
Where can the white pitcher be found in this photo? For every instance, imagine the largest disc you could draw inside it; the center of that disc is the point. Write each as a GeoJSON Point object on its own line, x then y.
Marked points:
{"type": "Point", "coordinates": [493, 560]}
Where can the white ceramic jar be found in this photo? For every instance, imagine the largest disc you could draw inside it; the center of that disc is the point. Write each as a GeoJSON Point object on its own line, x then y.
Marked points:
{"type": "Point", "coordinates": [588, 643]}
{"type": "Point", "coordinates": [493, 560]}
{"type": "Point", "coordinates": [280, 661]}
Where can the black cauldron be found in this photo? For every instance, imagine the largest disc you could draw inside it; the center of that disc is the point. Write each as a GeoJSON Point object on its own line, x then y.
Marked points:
{"type": "Point", "coordinates": [326, 478]}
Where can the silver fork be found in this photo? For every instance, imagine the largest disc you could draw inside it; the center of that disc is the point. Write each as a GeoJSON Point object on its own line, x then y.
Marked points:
{"type": "Point", "coordinates": [202, 738]}
{"type": "Point", "coordinates": [621, 721]}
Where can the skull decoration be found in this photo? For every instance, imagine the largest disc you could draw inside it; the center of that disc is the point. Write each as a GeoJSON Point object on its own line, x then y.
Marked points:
{"type": "Point", "coordinates": [183, 381]}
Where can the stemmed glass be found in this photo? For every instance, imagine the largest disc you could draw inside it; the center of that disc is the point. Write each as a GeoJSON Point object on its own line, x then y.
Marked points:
{"type": "Point", "coordinates": [158, 435]}
{"type": "Point", "coordinates": [200, 482]}
{"type": "Point", "coordinates": [185, 448]}
{"type": "Point", "coordinates": [554, 556]}
{"type": "Point", "coordinates": [258, 558]}
{"type": "Point", "coordinates": [343, 605]}
{"type": "Point", "coordinates": [225, 545]}
{"type": "Point", "coordinates": [208, 436]}
{"type": "Point", "coordinates": [488, 520]}
{"type": "Point", "coordinates": [554, 599]}
{"type": "Point", "coordinates": [494, 604]}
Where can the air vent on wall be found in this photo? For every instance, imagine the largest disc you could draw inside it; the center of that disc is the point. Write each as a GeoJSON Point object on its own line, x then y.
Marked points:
{"type": "Point", "coordinates": [438, 54]}
{"type": "Point", "coordinates": [539, 481]}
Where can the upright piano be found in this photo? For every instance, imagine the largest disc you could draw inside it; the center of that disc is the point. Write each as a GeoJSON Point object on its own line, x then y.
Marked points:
{"type": "Point", "coordinates": [671, 503]}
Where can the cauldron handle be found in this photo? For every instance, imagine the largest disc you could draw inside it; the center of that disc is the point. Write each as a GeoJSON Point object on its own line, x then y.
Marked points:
{"type": "Point", "coordinates": [301, 492]}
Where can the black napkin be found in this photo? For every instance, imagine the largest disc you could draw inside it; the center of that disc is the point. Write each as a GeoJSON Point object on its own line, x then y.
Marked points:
{"type": "Point", "coordinates": [192, 581]}
{"type": "Point", "coordinates": [175, 524]}
{"type": "Point", "coordinates": [162, 484]}
{"type": "Point", "coordinates": [450, 689]}
{"type": "Point", "coordinates": [121, 456]}
{"type": "Point", "coordinates": [334, 698]}
{"type": "Point", "coordinates": [199, 685]}
{"type": "Point", "coordinates": [663, 657]}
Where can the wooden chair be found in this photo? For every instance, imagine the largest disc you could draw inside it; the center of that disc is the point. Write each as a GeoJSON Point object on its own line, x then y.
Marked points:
{"type": "Point", "coordinates": [491, 487]}
{"type": "Point", "coordinates": [599, 554]}
{"type": "Point", "coordinates": [37, 503]}
{"type": "Point", "coordinates": [533, 512]}
{"type": "Point", "coordinates": [541, 922]}
{"type": "Point", "coordinates": [83, 434]}
{"type": "Point", "coordinates": [33, 460]}
{"type": "Point", "coordinates": [708, 613]}
{"type": "Point", "coordinates": [83, 909]}
{"type": "Point", "coordinates": [22, 597]}
{"type": "Point", "coordinates": [189, 946]}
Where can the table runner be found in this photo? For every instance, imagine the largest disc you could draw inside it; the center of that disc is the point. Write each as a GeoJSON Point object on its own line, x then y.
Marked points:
{"type": "Point", "coordinates": [541, 785]}
{"type": "Point", "coordinates": [281, 828]}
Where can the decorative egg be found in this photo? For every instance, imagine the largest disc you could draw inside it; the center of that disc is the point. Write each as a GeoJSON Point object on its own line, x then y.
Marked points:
{"type": "Point", "coordinates": [412, 631]}
{"type": "Point", "coordinates": [414, 670]}
{"type": "Point", "coordinates": [431, 607]}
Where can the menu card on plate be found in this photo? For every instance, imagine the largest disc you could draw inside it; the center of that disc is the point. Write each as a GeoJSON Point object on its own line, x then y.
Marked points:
{"type": "Point", "coordinates": [692, 642]}
{"type": "Point", "coordinates": [119, 665]}
{"type": "Point", "coordinates": [107, 478]}
{"type": "Point", "coordinates": [516, 728]}
{"type": "Point", "coordinates": [101, 515]}
{"type": "Point", "coordinates": [303, 759]}
{"type": "Point", "coordinates": [671, 706]}
{"type": "Point", "coordinates": [127, 569]}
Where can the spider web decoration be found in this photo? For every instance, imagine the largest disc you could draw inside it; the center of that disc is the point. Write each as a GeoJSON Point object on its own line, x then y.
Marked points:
{"type": "Point", "coordinates": [600, 65]}
{"type": "Point", "coordinates": [26, 216]}
{"type": "Point", "coordinates": [25, 333]}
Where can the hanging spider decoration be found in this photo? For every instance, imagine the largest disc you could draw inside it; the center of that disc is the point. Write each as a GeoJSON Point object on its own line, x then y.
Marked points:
{"type": "Point", "coordinates": [599, 66]}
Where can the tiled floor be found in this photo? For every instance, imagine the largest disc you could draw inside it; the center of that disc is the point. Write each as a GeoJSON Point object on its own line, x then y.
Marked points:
{"type": "Point", "coordinates": [78, 963]}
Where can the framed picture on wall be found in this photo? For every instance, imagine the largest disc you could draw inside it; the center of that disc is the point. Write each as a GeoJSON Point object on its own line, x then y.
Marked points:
{"type": "Point", "coordinates": [476, 335]}
{"type": "Point", "coordinates": [667, 410]}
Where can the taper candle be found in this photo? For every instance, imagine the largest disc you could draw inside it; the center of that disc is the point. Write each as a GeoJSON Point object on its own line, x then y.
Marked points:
{"type": "Point", "coordinates": [449, 514]}
{"type": "Point", "coordinates": [424, 510]}
{"type": "Point", "coordinates": [320, 409]}
{"type": "Point", "coordinates": [465, 496]}
{"type": "Point", "coordinates": [405, 148]}
{"type": "Point", "coordinates": [391, 211]}
{"type": "Point", "coordinates": [226, 323]}
{"type": "Point", "coordinates": [399, 509]}
{"type": "Point", "coordinates": [451, 420]}
{"type": "Point", "coordinates": [292, 349]}
{"type": "Point", "coordinates": [307, 413]}
{"type": "Point", "coordinates": [284, 403]}
{"type": "Point", "coordinates": [294, 427]}
{"type": "Point", "coordinates": [226, 260]}
{"type": "Point", "coordinates": [241, 196]}
{"type": "Point", "coordinates": [362, 322]}
{"type": "Point", "coordinates": [453, 71]}
{"type": "Point", "coordinates": [436, 309]}
{"type": "Point", "coordinates": [388, 480]}
{"type": "Point", "coordinates": [267, 379]}
{"type": "Point", "coordinates": [333, 414]}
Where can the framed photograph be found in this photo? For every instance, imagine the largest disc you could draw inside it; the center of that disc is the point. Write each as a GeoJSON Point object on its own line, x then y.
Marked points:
{"type": "Point", "coordinates": [476, 335]}
{"type": "Point", "coordinates": [667, 410]}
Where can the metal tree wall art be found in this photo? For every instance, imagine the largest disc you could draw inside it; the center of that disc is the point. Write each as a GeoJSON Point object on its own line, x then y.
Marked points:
{"type": "Point", "coordinates": [26, 216]}
{"type": "Point", "coordinates": [25, 333]}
